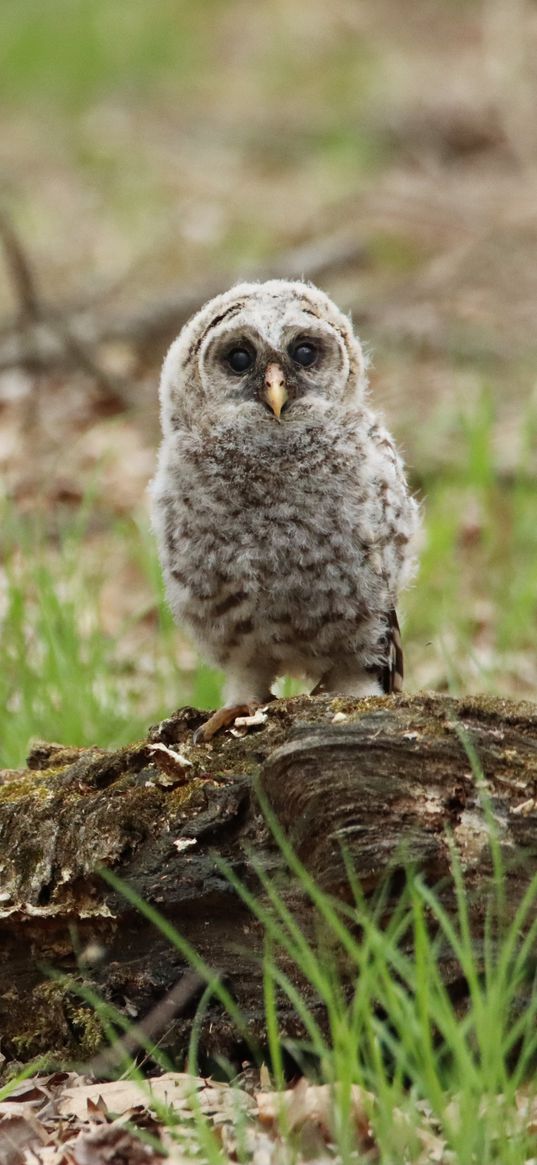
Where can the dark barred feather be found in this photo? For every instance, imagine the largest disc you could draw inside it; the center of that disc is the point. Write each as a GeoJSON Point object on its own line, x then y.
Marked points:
{"type": "Point", "coordinates": [391, 674]}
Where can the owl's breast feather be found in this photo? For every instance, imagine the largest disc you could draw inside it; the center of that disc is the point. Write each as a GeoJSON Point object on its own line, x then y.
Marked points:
{"type": "Point", "coordinates": [276, 457]}
{"type": "Point", "coordinates": [283, 527]}
{"type": "Point", "coordinates": [273, 503]}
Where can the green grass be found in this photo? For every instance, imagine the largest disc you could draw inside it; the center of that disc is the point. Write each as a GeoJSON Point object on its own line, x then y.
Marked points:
{"type": "Point", "coordinates": [392, 1027]}
{"type": "Point", "coordinates": [475, 599]}
{"type": "Point", "coordinates": [71, 52]}
{"type": "Point", "coordinates": [63, 676]}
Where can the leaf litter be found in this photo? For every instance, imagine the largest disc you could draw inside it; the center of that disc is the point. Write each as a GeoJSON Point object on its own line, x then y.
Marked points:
{"type": "Point", "coordinates": [64, 1118]}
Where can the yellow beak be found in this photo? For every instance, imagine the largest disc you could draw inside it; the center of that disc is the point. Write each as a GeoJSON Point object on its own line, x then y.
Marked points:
{"type": "Point", "coordinates": [275, 389]}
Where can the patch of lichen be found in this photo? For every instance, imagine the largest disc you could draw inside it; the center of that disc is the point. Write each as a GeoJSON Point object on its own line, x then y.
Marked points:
{"type": "Point", "coordinates": [38, 785]}
{"type": "Point", "coordinates": [59, 756]}
{"type": "Point", "coordinates": [57, 1024]}
{"type": "Point", "coordinates": [41, 1028]}
{"type": "Point", "coordinates": [88, 1029]}
{"type": "Point", "coordinates": [180, 797]}
{"type": "Point", "coordinates": [352, 707]}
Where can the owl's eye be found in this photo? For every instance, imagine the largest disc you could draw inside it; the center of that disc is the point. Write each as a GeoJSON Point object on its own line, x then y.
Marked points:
{"type": "Point", "coordinates": [304, 353]}
{"type": "Point", "coordinates": [240, 359]}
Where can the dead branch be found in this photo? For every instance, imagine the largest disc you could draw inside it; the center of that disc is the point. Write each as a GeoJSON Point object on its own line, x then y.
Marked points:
{"type": "Point", "coordinates": [20, 271]}
{"type": "Point", "coordinates": [37, 328]}
{"type": "Point", "coordinates": [149, 328]}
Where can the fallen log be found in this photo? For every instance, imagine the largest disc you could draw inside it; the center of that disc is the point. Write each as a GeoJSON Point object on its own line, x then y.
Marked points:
{"type": "Point", "coordinates": [390, 781]}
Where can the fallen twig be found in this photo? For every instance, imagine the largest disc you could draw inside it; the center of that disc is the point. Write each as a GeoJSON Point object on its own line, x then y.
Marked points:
{"type": "Point", "coordinates": [150, 1029]}
{"type": "Point", "coordinates": [38, 330]}
{"type": "Point", "coordinates": [20, 271]}
{"type": "Point", "coordinates": [149, 328]}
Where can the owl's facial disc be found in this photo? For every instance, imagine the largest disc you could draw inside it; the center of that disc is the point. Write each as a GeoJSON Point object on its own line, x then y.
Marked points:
{"type": "Point", "coordinates": [284, 369]}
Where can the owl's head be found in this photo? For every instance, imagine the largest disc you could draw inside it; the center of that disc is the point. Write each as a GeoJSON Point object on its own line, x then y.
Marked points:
{"type": "Point", "coordinates": [274, 351]}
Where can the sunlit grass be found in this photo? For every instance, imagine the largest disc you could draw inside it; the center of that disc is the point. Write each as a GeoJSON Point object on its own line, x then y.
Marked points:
{"type": "Point", "coordinates": [392, 1027]}
{"type": "Point", "coordinates": [73, 51]}
{"type": "Point", "coordinates": [475, 599]}
{"type": "Point", "coordinates": [64, 675]}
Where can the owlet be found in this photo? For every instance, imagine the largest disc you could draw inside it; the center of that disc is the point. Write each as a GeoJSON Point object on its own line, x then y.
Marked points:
{"type": "Point", "coordinates": [280, 506]}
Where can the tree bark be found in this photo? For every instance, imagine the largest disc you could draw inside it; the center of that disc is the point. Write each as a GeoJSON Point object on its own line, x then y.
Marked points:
{"type": "Point", "coordinates": [390, 782]}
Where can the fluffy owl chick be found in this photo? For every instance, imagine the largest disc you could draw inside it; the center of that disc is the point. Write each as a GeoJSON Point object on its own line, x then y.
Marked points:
{"type": "Point", "coordinates": [280, 505]}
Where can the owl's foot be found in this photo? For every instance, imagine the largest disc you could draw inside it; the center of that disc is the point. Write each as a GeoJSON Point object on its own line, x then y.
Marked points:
{"type": "Point", "coordinates": [222, 719]}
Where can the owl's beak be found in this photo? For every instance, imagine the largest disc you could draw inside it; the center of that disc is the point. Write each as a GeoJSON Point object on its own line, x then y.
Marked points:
{"type": "Point", "coordinates": [275, 389]}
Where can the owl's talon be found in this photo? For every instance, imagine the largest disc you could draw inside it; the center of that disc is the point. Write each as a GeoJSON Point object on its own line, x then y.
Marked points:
{"type": "Point", "coordinates": [223, 718]}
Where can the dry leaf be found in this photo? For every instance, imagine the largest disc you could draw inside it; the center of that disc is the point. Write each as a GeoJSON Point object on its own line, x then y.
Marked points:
{"type": "Point", "coordinates": [113, 1145]}
{"type": "Point", "coordinates": [172, 764]}
{"type": "Point", "coordinates": [174, 1089]}
{"type": "Point", "coordinates": [16, 1134]}
{"type": "Point", "coordinates": [313, 1104]}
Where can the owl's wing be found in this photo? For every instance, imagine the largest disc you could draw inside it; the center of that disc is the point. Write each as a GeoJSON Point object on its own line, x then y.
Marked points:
{"type": "Point", "coordinates": [390, 675]}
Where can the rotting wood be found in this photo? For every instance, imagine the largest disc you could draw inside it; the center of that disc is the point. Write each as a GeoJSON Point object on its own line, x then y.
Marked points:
{"type": "Point", "coordinates": [388, 779]}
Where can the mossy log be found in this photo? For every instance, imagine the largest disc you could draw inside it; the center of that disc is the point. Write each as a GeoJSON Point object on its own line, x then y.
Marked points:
{"type": "Point", "coordinates": [387, 780]}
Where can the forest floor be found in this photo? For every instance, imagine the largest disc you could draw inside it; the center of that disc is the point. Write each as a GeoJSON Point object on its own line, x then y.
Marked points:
{"type": "Point", "coordinates": [168, 161]}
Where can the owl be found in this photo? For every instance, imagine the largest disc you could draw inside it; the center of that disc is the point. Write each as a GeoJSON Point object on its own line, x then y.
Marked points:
{"type": "Point", "coordinates": [283, 519]}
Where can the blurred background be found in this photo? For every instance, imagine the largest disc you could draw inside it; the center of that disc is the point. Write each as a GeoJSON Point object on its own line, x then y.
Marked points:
{"type": "Point", "coordinates": [153, 151]}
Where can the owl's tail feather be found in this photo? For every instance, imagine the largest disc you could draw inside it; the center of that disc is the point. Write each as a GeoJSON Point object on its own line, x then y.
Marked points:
{"type": "Point", "coordinates": [390, 675]}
